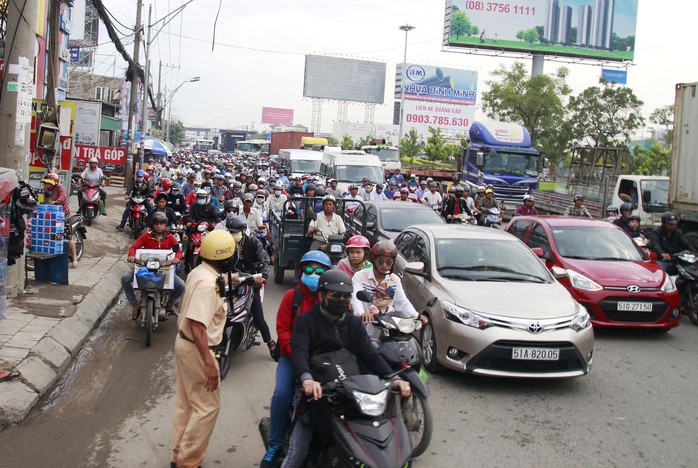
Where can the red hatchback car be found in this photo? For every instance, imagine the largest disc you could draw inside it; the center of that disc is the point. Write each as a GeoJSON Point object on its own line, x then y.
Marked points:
{"type": "Point", "coordinates": [607, 273]}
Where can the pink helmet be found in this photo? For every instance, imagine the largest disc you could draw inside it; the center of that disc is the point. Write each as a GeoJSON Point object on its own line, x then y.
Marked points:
{"type": "Point", "coordinates": [358, 242]}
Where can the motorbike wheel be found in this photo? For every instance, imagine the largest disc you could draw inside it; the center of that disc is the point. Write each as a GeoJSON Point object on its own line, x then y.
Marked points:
{"type": "Point", "coordinates": [691, 305]}
{"type": "Point", "coordinates": [419, 422]}
{"type": "Point", "coordinates": [225, 358]}
{"type": "Point", "coordinates": [79, 244]}
{"type": "Point", "coordinates": [136, 229]}
{"type": "Point", "coordinates": [88, 217]}
{"type": "Point", "coordinates": [428, 343]}
{"type": "Point", "coordinates": [278, 271]}
{"type": "Point", "coordinates": [150, 314]}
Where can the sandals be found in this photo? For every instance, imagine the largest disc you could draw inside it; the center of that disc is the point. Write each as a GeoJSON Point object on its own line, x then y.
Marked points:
{"type": "Point", "coordinates": [136, 312]}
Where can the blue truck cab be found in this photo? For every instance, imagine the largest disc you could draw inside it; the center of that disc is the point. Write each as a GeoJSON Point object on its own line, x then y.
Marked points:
{"type": "Point", "coordinates": [500, 154]}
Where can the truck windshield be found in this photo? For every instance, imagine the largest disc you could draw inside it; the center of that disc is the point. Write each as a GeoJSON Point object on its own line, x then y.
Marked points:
{"type": "Point", "coordinates": [518, 164]}
{"type": "Point", "coordinates": [248, 147]}
{"type": "Point", "coordinates": [659, 192]}
{"type": "Point", "coordinates": [353, 174]}
{"type": "Point", "coordinates": [385, 154]}
{"type": "Point", "coordinates": [306, 166]}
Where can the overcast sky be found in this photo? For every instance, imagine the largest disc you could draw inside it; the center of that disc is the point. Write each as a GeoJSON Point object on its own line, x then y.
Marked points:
{"type": "Point", "coordinates": [258, 59]}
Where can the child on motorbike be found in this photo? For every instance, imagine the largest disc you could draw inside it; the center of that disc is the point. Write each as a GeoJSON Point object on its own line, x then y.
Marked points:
{"type": "Point", "coordinates": [358, 248]}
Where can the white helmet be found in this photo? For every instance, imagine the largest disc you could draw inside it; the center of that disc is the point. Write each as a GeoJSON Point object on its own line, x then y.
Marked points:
{"type": "Point", "coordinates": [528, 197]}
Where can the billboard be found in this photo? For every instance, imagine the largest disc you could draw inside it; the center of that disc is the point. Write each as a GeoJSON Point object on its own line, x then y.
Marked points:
{"type": "Point", "coordinates": [454, 120]}
{"type": "Point", "coordinates": [593, 29]}
{"type": "Point", "coordinates": [88, 121]}
{"type": "Point", "coordinates": [275, 116]}
{"type": "Point", "coordinates": [615, 76]}
{"type": "Point", "coordinates": [435, 84]}
{"type": "Point", "coordinates": [344, 79]}
{"type": "Point", "coordinates": [356, 131]}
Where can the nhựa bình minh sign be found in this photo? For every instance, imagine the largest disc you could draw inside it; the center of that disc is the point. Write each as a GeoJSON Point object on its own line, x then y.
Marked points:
{"type": "Point", "coordinates": [437, 84]}
{"type": "Point", "coordinates": [593, 29]}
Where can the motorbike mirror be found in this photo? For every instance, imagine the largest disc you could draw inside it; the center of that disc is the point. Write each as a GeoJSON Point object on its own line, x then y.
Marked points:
{"type": "Point", "coordinates": [364, 296]}
{"type": "Point", "coordinates": [175, 248]}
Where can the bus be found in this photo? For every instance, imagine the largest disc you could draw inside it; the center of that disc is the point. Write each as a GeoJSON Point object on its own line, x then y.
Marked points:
{"type": "Point", "coordinates": [259, 148]}
{"type": "Point", "coordinates": [204, 145]}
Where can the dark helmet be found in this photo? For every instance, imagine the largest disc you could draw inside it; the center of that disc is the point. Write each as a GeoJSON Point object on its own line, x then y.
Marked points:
{"type": "Point", "coordinates": [459, 189]}
{"type": "Point", "coordinates": [235, 224]}
{"type": "Point", "coordinates": [578, 197]}
{"type": "Point", "coordinates": [385, 248]}
{"type": "Point", "coordinates": [634, 218]}
{"type": "Point", "coordinates": [319, 192]}
{"type": "Point", "coordinates": [228, 205]}
{"type": "Point", "coordinates": [176, 187]}
{"type": "Point", "coordinates": [670, 218]}
{"type": "Point", "coordinates": [625, 209]}
{"type": "Point", "coordinates": [310, 187]}
{"type": "Point", "coordinates": [611, 209]}
{"type": "Point", "coordinates": [335, 280]}
{"type": "Point", "coordinates": [159, 217]}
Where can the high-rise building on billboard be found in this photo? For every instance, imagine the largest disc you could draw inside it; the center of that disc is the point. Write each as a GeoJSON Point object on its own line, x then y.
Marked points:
{"type": "Point", "coordinates": [552, 20]}
{"type": "Point", "coordinates": [583, 25]}
{"type": "Point", "coordinates": [602, 24]}
{"type": "Point", "coordinates": [565, 27]}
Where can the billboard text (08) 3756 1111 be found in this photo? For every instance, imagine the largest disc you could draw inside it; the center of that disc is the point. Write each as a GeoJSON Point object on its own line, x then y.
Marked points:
{"type": "Point", "coordinates": [591, 29]}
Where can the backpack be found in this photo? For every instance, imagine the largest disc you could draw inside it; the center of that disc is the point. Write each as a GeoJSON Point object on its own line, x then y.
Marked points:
{"type": "Point", "coordinates": [296, 308]}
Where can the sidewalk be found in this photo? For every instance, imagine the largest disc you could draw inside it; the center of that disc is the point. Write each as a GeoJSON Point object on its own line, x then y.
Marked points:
{"type": "Point", "coordinates": [46, 326]}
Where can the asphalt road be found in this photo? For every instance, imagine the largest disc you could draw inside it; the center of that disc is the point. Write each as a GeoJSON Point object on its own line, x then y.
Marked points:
{"type": "Point", "coordinates": [637, 407]}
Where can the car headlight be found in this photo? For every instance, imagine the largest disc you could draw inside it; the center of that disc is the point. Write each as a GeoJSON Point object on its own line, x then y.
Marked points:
{"type": "Point", "coordinates": [581, 320]}
{"type": "Point", "coordinates": [466, 316]}
{"type": "Point", "coordinates": [668, 286]}
{"type": "Point", "coordinates": [580, 281]}
{"type": "Point", "coordinates": [369, 404]}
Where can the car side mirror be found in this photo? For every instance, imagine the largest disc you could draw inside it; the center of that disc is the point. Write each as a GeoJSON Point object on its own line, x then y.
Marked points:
{"type": "Point", "coordinates": [432, 302]}
{"type": "Point", "coordinates": [539, 252]}
{"type": "Point", "coordinates": [479, 159]}
{"type": "Point", "coordinates": [415, 268]}
{"type": "Point", "coordinates": [559, 273]}
{"type": "Point", "coordinates": [370, 226]}
{"type": "Point", "coordinates": [646, 197]}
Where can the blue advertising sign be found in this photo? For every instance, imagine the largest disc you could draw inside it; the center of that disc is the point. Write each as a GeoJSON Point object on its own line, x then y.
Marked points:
{"type": "Point", "coordinates": [435, 84]}
{"type": "Point", "coordinates": [617, 76]}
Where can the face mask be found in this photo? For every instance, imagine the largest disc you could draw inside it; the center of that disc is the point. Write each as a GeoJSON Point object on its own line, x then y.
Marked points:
{"type": "Point", "coordinates": [337, 307]}
{"type": "Point", "coordinates": [459, 195]}
{"type": "Point", "coordinates": [237, 237]}
{"type": "Point", "coordinates": [310, 281]}
{"type": "Point", "coordinates": [200, 201]}
{"type": "Point", "coordinates": [277, 193]}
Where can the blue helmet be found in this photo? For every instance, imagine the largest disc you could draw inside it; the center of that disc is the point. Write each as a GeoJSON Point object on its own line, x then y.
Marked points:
{"type": "Point", "coordinates": [140, 173]}
{"type": "Point", "coordinates": [317, 257]}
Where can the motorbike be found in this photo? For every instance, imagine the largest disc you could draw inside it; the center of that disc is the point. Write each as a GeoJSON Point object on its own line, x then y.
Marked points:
{"type": "Point", "coordinates": [463, 218]}
{"type": "Point", "coordinates": [154, 294]}
{"type": "Point", "coordinates": [400, 349]}
{"type": "Point", "coordinates": [492, 218]}
{"type": "Point", "coordinates": [239, 333]}
{"type": "Point", "coordinates": [198, 232]}
{"type": "Point", "coordinates": [75, 183]}
{"type": "Point", "coordinates": [687, 282]}
{"type": "Point", "coordinates": [79, 235]}
{"type": "Point", "coordinates": [358, 432]}
{"type": "Point", "coordinates": [138, 215]}
{"type": "Point", "coordinates": [89, 204]}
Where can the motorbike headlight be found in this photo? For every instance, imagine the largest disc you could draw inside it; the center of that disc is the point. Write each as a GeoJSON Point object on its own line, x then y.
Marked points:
{"type": "Point", "coordinates": [687, 257]}
{"type": "Point", "coordinates": [466, 316]}
{"type": "Point", "coordinates": [580, 281]}
{"type": "Point", "coordinates": [371, 405]}
{"type": "Point", "coordinates": [581, 320]}
{"type": "Point", "coordinates": [153, 264]}
{"type": "Point", "coordinates": [668, 286]}
{"type": "Point", "coordinates": [201, 228]}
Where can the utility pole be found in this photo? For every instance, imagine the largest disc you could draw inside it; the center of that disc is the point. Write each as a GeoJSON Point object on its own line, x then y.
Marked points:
{"type": "Point", "coordinates": [51, 116]}
{"type": "Point", "coordinates": [133, 100]}
{"type": "Point", "coordinates": [158, 111]}
{"type": "Point", "coordinates": [16, 107]}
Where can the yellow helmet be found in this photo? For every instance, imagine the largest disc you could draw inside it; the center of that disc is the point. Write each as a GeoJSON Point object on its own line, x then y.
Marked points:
{"type": "Point", "coordinates": [217, 245]}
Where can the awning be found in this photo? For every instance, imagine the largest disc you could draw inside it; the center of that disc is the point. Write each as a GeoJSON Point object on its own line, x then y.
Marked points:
{"type": "Point", "coordinates": [110, 123]}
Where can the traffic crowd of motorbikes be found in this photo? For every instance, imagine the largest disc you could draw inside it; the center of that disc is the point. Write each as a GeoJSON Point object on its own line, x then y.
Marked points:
{"type": "Point", "coordinates": [349, 385]}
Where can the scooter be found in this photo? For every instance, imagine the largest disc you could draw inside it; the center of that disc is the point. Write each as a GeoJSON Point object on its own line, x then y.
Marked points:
{"type": "Point", "coordinates": [137, 215]}
{"type": "Point", "coordinates": [358, 432]}
{"type": "Point", "coordinates": [400, 349]}
{"type": "Point", "coordinates": [493, 218]}
{"type": "Point", "coordinates": [154, 295]}
{"type": "Point", "coordinates": [463, 218]}
{"type": "Point", "coordinates": [239, 333]}
{"type": "Point", "coordinates": [687, 282]}
{"type": "Point", "coordinates": [89, 204]}
{"type": "Point", "coordinates": [79, 235]}
{"type": "Point", "coordinates": [198, 232]}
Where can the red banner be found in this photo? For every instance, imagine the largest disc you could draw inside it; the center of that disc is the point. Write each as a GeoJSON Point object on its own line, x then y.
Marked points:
{"type": "Point", "coordinates": [110, 159]}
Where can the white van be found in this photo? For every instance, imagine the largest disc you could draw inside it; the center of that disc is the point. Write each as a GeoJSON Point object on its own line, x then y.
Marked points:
{"type": "Point", "coordinates": [389, 156]}
{"type": "Point", "coordinates": [300, 161]}
{"type": "Point", "coordinates": [350, 167]}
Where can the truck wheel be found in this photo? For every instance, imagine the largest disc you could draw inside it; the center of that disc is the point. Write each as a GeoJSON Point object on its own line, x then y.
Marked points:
{"type": "Point", "coordinates": [278, 271]}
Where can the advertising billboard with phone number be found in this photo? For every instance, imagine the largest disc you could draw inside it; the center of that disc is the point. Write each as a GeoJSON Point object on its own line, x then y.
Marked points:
{"type": "Point", "coordinates": [454, 120]}
{"type": "Point", "coordinates": [592, 29]}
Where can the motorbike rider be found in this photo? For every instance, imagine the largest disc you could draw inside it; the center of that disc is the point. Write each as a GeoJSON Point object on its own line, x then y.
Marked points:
{"type": "Point", "coordinates": [367, 192]}
{"type": "Point", "coordinates": [296, 301]}
{"type": "Point", "coordinates": [93, 176]}
{"type": "Point", "coordinates": [487, 202]}
{"type": "Point", "coordinates": [457, 205]}
{"type": "Point", "coordinates": [54, 194]}
{"type": "Point", "coordinates": [218, 189]}
{"type": "Point", "coordinates": [253, 218]}
{"type": "Point", "coordinates": [260, 202]}
{"type": "Point", "coordinates": [577, 208]}
{"type": "Point", "coordinates": [203, 209]}
{"type": "Point", "coordinates": [167, 172]}
{"type": "Point", "coordinates": [634, 230]}
{"type": "Point", "coordinates": [626, 210]}
{"type": "Point", "coordinates": [277, 200]}
{"type": "Point", "coordinates": [391, 190]}
{"type": "Point", "coordinates": [332, 189]}
{"type": "Point", "coordinates": [158, 239]}
{"type": "Point", "coordinates": [611, 213]}
{"type": "Point", "coordinates": [191, 198]}
{"type": "Point", "coordinates": [200, 330]}
{"type": "Point", "coordinates": [188, 186]}
{"type": "Point", "coordinates": [384, 254]}
{"type": "Point", "coordinates": [328, 326]}
{"type": "Point", "coordinates": [527, 208]}
{"type": "Point", "coordinates": [161, 207]}
{"type": "Point", "coordinates": [249, 252]}
{"type": "Point", "coordinates": [398, 178]}
{"type": "Point", "coordinates": [432, 198]}
{"type": "Point", "coordinates": [326, 224]}
{"type": "Point", "coordinates": [404, 195]}
{"type": "Point", "coordinates": [379, 194]}
{"type": "Point", "coordinates": [358, 250]}
{"type": "Point", "coordinates": [140, 188]}
{"type": "Point", "coordinates": [296, 190]}
{"type": "Point", "coordinates": [175, 199]}
{"type": "Point", "coordinates": [667, 240]}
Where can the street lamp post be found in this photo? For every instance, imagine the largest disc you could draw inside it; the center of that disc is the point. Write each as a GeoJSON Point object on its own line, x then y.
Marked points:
{"type": "Point", "coordinates": [407, 28]}
{"type": "Point", "coordinates": [168, 102]}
